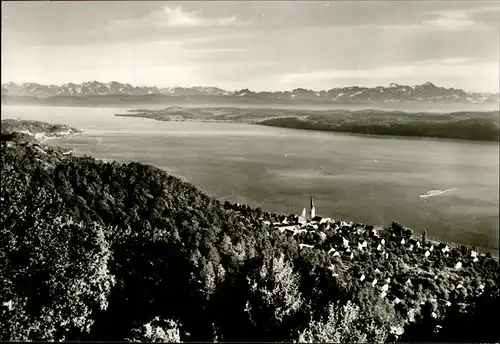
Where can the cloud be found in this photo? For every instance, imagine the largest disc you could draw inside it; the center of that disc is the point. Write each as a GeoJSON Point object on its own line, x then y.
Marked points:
{"type": "Point", "coordinates": [446, 61]}
{"type": "Point", "coordinates": [452, 24]}
{"type": "Point", "coordinates": [217, 50]}
{"type": "Point", "coordinates": [176, 17]}
{"type": "Point", "coordinates": [458, 19]}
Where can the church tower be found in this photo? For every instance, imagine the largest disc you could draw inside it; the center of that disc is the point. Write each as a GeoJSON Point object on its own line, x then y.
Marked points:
{"type": "Point", "coordinates": [313, 210]}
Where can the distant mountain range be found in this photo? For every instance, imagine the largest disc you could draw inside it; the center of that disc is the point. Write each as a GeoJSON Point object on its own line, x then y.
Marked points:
{"type": "Point", "coordinates": [428, 93]}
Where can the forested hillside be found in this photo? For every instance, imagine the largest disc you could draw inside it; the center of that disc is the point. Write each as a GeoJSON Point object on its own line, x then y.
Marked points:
{"type": "Point", "coordinates": [106, 251]}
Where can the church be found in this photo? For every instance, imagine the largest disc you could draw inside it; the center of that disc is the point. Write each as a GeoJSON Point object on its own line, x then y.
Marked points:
{"type": "Point", "coordinates": [310, 215]}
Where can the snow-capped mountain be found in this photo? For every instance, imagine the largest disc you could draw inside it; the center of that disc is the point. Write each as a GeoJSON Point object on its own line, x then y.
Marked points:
{"type": "Point", "coordinates": [427, 92]}
{"type": "Point", "coordinates": [99, 88]}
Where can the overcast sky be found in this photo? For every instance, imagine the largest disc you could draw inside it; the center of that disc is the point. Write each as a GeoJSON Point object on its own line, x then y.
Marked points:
{"type": "Point", "coordinates": [261, 45]}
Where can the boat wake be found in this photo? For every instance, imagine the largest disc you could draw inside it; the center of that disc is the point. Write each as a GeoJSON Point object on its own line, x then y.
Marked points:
{"type": "Point", "coordinates": [436, 192]}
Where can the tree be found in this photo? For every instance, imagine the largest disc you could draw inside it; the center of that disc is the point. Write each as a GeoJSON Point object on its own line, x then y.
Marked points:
{"type": "Point", "coordinates": [344, 323]}
{"type": "Point", "coordinates": [157, 331]}
{"type": "Point", "coordinates": [60, 276]}
{"type": "Point", "coordinates": [274, 298]}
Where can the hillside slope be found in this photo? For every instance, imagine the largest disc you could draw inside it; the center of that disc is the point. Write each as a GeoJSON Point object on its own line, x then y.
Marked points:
{"type": "Point", "coordinates": [106, 251]}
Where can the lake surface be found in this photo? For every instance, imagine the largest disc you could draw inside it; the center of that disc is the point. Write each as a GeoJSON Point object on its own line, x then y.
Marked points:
{"type": "Point", "coordinates": [373, 180]}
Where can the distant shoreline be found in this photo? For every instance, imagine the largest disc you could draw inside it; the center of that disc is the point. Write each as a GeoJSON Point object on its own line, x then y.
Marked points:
{"type": "Point", "coordinates": [463, 126]}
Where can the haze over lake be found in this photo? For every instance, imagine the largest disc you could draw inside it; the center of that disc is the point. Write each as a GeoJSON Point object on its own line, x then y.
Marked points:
{"type": "Point", "coordinates": [366, 179]}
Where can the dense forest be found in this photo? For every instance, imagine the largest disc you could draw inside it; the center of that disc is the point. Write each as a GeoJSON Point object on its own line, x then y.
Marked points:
{"type": "Point", "coordinates": [106, 251]}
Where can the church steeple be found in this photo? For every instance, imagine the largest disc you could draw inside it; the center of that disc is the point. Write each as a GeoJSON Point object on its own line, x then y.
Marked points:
{"type": "Point", "coordinates": [312, 210]}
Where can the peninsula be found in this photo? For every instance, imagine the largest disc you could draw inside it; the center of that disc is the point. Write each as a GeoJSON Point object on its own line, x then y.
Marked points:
{"type": "Point", "coordinates": [37, 130]}
{"type": "Point", "coordinates": [465, 125]}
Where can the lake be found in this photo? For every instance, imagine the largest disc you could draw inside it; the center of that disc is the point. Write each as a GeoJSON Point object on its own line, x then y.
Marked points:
{"type": "Point", "coordinates": [373, 180]}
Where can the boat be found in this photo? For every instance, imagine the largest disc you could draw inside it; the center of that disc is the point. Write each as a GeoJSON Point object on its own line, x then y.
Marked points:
{"type": "Point", "coordinates": [435, 192]}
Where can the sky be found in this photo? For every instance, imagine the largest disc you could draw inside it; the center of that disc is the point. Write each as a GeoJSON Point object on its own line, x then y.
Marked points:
{"type": "Point", "coordinates": [260, 45]}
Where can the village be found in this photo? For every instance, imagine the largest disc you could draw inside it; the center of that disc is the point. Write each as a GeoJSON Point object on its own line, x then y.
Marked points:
{"type": "Point", "coordinates": [428, 262]}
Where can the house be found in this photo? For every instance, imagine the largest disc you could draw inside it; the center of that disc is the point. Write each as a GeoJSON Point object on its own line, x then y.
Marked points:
{"type": "Point", "coordinates": [379, 247]}
{"type": "Point", "coordinates": [410, 248]}
{"type": "Point", "coordinates": [345, 242]}
{"type": "Point", "coordinates": [431, 248]}
{"type": "Point", "coordinates": [325, 220]}
{"type": "Point", "coordinates": [374, 282]}
{"type": "Point", "coordinates": [473, 254]}
{"type": "Point", "coordinates": [388, 280]}
{"type": "Point", "coordinates": [444, 248]}
{"type": "Point", "coordinates": [387, 256]}
{"type": "Point", "coordinates": [288, 228]}
{"type": "Point", "coordinates": [382, 242]}
{"type": "Point", "coordinates": [299, 231]}
{"type": "Point", "coordinates": [352, 256]}
{"type": "Point", "coordinates": [305, 245]}
{"type": "Point", "coordinates": [403, 241]}
{"type": "Point", "coordinates": [385, 287]}
{"type": "Point", "coordinates": [427, 254]}
{"type": "Point", "coordinates": [336, 254]}
{"type": "Point", "coordinates": [458, 265]}
{"type": "Point", "coordinates": [383, 294]}
{"type": "Point", "coordinates": [362, 278]}
{"type": "Point", "coordinates": [475, 260]}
